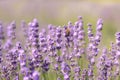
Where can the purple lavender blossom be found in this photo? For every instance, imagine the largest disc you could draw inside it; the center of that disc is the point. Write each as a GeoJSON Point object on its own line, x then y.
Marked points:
{"type": "Point", "coordinates": [36, 75]}
{"type": "Point", "coordinates": [1, 32]}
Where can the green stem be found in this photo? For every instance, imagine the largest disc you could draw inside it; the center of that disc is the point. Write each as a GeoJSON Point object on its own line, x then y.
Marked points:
{"type": "Point", "coordinates": [45, 76]}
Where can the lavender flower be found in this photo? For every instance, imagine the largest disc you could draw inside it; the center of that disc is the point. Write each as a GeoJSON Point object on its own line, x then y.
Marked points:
{"type": "Point", "coordinates": [36, 75]}
{"type": "Point", "coordinates": [1, 32]}
{"type": "Point", "coordinates": [11, 31]}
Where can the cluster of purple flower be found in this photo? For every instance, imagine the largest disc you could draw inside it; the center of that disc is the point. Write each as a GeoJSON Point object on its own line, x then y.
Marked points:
{"type": "Point", "coordinates": [65, 52]}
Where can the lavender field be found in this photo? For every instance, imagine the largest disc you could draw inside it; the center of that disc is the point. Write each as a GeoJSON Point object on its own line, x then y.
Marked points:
{"type": "Point", "coordinates": [58, 53]}
{"type": "Point", "coordinates": [59, 40]}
